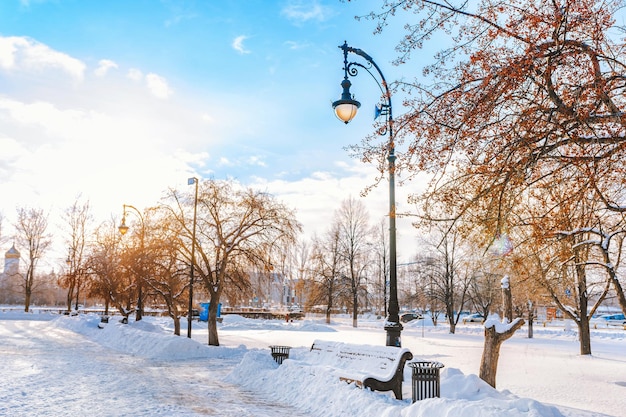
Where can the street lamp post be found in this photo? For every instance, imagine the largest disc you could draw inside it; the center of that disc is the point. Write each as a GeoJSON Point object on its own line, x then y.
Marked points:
{"type": "Point", "coordinates": [193, 255]}
{"type": "Point", "coordinates": [68, 262]}
{"type": "Point", "coordinates": [345, 109]}
{"type": "Point", "coordinates": [123, 228]}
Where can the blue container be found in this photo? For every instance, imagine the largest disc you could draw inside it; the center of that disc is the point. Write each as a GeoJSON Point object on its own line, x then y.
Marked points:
{"type": "Point", "coordinates": [204, 311]}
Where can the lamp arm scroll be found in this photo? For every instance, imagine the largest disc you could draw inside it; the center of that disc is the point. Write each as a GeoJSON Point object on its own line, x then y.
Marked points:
{"type": "Point", "coordinates": [386, 109]}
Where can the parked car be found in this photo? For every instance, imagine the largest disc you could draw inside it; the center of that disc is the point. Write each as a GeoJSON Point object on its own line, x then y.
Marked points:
{"type": "Point", "coordinates": [406, 317]}
{"type": "Point", "coordinates": [474, 318]}
{"type": "Point", "coordinates": [613, 319]}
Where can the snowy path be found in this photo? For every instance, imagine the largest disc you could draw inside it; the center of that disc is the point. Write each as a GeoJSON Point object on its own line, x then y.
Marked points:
{"type": "Point", "coordinates": [48, 371]}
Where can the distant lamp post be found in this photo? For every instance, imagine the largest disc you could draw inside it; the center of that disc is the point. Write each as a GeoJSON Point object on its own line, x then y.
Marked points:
{"type": "Point", "coordinates": [73, 275]}
{"type": "Point", "coordinates": [190, 181]}
{"type": "Point", "coordinates": [123, 228]}
{"type": "Point", "coordinates": [68, 262]}
{"type": "Point", "coordinates": [345, 109]}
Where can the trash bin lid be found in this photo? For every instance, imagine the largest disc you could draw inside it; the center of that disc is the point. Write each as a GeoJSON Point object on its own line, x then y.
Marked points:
{"type": "Point", "coordinates": [426, 364]}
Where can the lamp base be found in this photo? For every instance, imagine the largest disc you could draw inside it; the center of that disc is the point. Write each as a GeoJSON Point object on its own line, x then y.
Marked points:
{"type": "Point", "coordinates": [393, 334]}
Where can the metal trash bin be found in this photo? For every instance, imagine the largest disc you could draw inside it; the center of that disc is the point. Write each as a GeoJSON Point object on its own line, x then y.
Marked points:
{"type": "Point", "coordinates": [425, 379]}
{"type": "Point", "coordinates": [280, 353]}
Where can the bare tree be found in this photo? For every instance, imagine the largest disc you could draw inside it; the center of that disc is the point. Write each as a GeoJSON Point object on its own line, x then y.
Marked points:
{"type": "Point", "coordinates": [168, 278]}
{"type": "Point", "coordinates": [483, 290]}
{"type": "Point", "coordinates": [31, 228]}
{"type": "Point", "coordinates": [109, 281]}
{"type": "Point", "coordinates": [354, 237]}
{"type": "Point", "coordinates": [382, 264]}
{"type": "Point", "coordinates": [137, 255]}
{"type": "Point", "coordinates": [236, 229]}
{"type": "Point", "coordinates": [327, 270]}
{"type": "Point", "coordinates": [301, 266]}
{"type": "Point", "coordinates": [452, 276]}
{"type": "Point", "coordinates": [78, 217]}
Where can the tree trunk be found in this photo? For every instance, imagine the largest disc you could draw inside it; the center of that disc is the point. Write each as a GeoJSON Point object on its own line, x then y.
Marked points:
{"type": "Point", "coordinates": [329, 306]}
{"type": "Point", "coordinates": [531, 318]}
{"type": "Point", "coordinates": [176, 319]}
{"type": "Point", "coordinates": [212, 321]}
{"type": "Point", "coordinates": [491, 351]}
{"type": "Point", "coordinates": [494, 339]}
{"type": "Point", "coordinates": [27, 302]}
{"type": "Point", "coordinates": [507, 302]}
{"type": "Point", "coordinates": [450, 314]}
{"type": "Point", "coordinates": [77, 295]}
{"type": "Point", "coordinates": [583, 323]}
{"type": "Point", "coordinates": [620, 294]}
{"type": "Point", "coordinates": [139, 310]}
{"type": "Point", "coordinates": [28, 289]}
{"type": "Point", "coordinates": [70, 296]}
{"type": "Point", "coordinates": [355, 310]}
{"type": "Point", "coordinates": [584, 335]}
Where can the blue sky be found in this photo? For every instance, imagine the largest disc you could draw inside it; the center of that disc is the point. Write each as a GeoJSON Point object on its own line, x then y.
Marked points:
{"type": "Point", "coordinates": [118, 100]}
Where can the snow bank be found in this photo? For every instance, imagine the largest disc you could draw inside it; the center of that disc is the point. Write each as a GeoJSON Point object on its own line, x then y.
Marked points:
{"type": "Point", "coordinates": [315, 389]}
{"type": "Point", "coordinates": [142, 339]}
{"type": "Point", "coordinates": [235, 322]}
{"type": "Point", "coordinates": [306, 386]}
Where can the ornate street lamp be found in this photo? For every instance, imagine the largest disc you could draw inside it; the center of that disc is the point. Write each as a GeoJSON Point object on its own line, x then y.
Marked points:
{"type": "Point", "coordinates": [123, 228]}
{"type": "Point", "coordinates": [193, 255]}
{"type": "Point", "coordinates": [345, 109]}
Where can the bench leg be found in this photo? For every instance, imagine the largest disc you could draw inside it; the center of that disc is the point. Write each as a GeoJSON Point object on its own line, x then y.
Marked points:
{"type": "Point", "coordinates": [398, 390]}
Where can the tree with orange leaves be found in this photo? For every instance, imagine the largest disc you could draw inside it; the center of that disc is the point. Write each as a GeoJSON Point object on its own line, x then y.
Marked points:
{"type": "Point", "coordinates": [527, 88]}
{"type": "Point", "coordinates": [529, 92]}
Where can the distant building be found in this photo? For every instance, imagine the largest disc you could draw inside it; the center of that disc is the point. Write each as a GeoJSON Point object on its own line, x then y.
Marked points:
{"type": "Point", "coordinates": [10, 277]}
{"type": "Point", "coordinates": [272, 290]}
{"type": "Point", "coordinates": [11, 262]}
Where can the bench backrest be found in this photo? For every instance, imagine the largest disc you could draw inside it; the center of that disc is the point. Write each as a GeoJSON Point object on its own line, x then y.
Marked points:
{"type": "Point", "coordinates": [369, 360]}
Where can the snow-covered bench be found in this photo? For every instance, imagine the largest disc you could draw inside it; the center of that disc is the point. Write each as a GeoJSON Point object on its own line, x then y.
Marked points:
{"type": "Point", "coordinates": [378, 368]}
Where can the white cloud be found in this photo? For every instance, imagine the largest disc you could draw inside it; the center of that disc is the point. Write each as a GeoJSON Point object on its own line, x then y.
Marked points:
{"type": "Point", "coordinates": [293, 45]}
{"type": "Point", "coordinates": [207, 118]}
{"type": "Point", "coordinates": [303, 11]}
{"type": "Point", "coordinates": [25, 54]}
{"type": "Point", "coordinates": [257, 161]}
{"type": "Point", "coordinates": [108, 158]}
{"type": "Point", "coordinates": [238, 44]}
{"type": "Point", "coordinates": [47, 117]}
{"type": "Point", "coordinates": [198, 159]}
{"type": "Point", "coordinates": [104, 66]}
{"type": "Point", "coordinates": [317, 196]}
{"type": "Point", "coordinates": [134, 74]}
{"type": "Point", "coordinates": [158, 86]}
{"type": "Point", "coordinates": [223, 161]}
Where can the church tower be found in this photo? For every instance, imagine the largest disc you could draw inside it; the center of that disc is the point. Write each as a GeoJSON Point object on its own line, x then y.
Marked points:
{"type": "Point", "coordinates": [11, 262]}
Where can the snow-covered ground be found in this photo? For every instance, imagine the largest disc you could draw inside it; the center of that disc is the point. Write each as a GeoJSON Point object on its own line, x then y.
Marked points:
{"type": "Point", "coordinates": [59, 365]}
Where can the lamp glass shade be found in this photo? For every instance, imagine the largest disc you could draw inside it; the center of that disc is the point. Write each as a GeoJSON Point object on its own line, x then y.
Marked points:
{"type": "Point", "coordinates": [123, 229]}
{"type": "Point", "coordinates": [346, 111]}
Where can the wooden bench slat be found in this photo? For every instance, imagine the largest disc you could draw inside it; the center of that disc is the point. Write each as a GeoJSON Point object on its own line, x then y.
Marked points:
{"type": "Point", "coordinates": [379, 368]}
